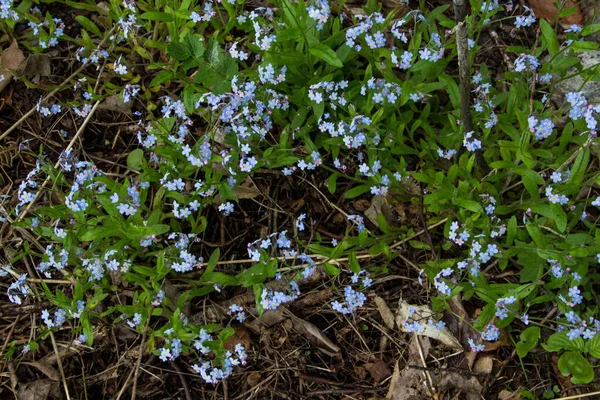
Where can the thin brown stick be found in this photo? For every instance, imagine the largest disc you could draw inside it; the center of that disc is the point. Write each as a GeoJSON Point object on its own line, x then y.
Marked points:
{"type": "Point", "coordinates": [186, 389]}
{"type": "Point", "coordinates": [139, 360]}
{"type": "Point", "coordinates": [60, 366]}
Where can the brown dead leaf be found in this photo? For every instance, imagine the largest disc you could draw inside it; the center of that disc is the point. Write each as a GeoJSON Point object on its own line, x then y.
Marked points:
{"type": "Point", "coordinates": [547, 10]}
{"type": "Point", "coordinates": [563, 381]}
{"type": "Point", "coordinates": [361, 372]}
{"type": "Point", "coordinates": [247, 189]}
{"type": "Point", "coordinates": [115, 103]}
{"type": "Point", "coordinates": [381, 206]}
{"type": "Point", "coordinates": [484, 365]}
{"type": "Point", "coordinates": [45, 368]}
{"type": "Point", "coordinates": [379, 370]}
{"type": "Point", "coordinates": [454, 380]}
{"type": "Point", "coordinates": [241, 335]}
{"type": "Point", "coordinates": [268, 319]}
{"type": "Point", "coordinates": [315, 336]}
{"type": "Point", "coordinates": [506, 395]}
{"type": "Point", "coordinates": [424, 312]}
{"type": "Point", "coordinates": [253, 379]}
{"type": "Point", "coordinates": [361, 205]}
{"type": "Point", "coordinates": [386, 314]}
{"type": "Point", "coordinates": [409, 383]}
{"type": "Point", "coordinates": [37, 66]}
{"type": "Point", "coordinates": [313, 299]}
{"type": "Point", "coordinates": [39, 390]}
{"type": "Point", "coordinates": [11, 61]}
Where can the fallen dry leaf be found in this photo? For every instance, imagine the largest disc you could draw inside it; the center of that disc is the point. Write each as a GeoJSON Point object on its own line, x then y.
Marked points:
{"type": "Point", "coordinates": [379, 370]}
{"type": "Point", "coordinates": [253, 379]}
{"type": "Point", "coordinates": [36, 66]}
{"type": "Point", "coordinates": [386, 313]}
{"type": "Point", "coordinates": [409, 383]}
{"type": "Point", "coordinates": [506, 395]}
{"type": "Point", "coordinates": [115, 103]}
{"type": "Point", "coordinates": [424, 312]}
{"type": "Point", "coordinates": [484, 365]}
{"type": "Point", "coordinates": [361, 372]}
{"type": "Point", "coordinates": [241, 335]}
{"type": "Point", "coordinates": [315, 336]}
{"type": "Point", "coordinates": [45, 368]}
{"type": "Point", "coordinates": [11, 61]}
{"type": "Point", "coordinates": [381, 206]}
{"type": "Point", "coordinates": [247, 189]}
{"type": "Point", "coordinates": [547, 10]}
{"type": "Point", "coordinates": [39, 390]}
{"type": "Point", "coordinates": [454, 380]}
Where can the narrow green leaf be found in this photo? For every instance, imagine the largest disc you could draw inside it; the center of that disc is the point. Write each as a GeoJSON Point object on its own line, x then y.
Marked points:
{"type": "Point", "coordinates": [326, 54]}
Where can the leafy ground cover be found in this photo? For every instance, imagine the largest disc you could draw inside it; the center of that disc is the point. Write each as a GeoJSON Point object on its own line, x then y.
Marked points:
{"type": "Point", "coordinates": [297, 200]}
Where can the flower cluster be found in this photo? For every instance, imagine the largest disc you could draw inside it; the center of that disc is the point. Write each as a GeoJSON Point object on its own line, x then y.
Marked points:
{"type": "Point", "coordinates": [238, 311]}
{"type": "Point", "coordinates": [414, 322]}
{"type": "Point", "coordinates": [59, 318]}
{"type": "Point", "coordinates": [320, 12]}
{"type": "Point", "coordinates": [581, 109]}
{"type": "Point", "coordinates": [6, 10]}
{"type": "Point", "coordinates": [212, 374]}
{"type": "Point", "coordinates": [526, 62]}
{"type": "Point", "coordinates": [375, 39]}
{"type": "Point", "coordinates": [382, 91]}
{"type": "Point", "coordinates": [556, 198]}
{"type": "Point", "coordinates": [470, 142]}
{"type": "Point", "coordinates": [17, 289]}
{"type": "Point", "coordinates": [525, 20]}
{"type": "Point", "coordinates": [331, 91]}
{"type": "Point", "coordinates": [542, 129]}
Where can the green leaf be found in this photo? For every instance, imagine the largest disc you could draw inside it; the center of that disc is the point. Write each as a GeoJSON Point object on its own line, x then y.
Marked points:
{"type": "Point", "coordinates": [135, 159]}
{"type": "Point", "coordinates": [157, 16]}
{"type": "Point", "coordinates": [162, 77]}
{"type": "Point", "coordinates": [326, 54]}
{"type": "Point", "coordinates": [529, 339]}
{"type": "Point", "coordinates": [560, 341]}
{"type": "Point", "coordinates": [572, 363]}
{"type": "Point", "coordinates": [470, 205]}
{"type": "Point", "coordinates": [537, 236]}
{"type": "Point", "coordinates": [220, 278]}
{"type": "Point", "coordinates": [179, 51]}
{"type": "Point", "coordinates": [195, 45]}
{"type": "Point", "coordinates": [594, 346]}
{"type": "Point", "coordinates": [213, 260]}
{"type": "Point", "coordinates": [584, 46]}
{"type": "Point", "coordinates": [356, 191]}
{"type": "Point", "coordinates": [579, 167]}
{"type": "Point", "coordinates": [588, 30]}
{"type": "Point", "coordinates": [89, 25]}
{"type": "Point", "coordinates": [549, 37]}
{"type": "Point", "coordinates": [99, 232]}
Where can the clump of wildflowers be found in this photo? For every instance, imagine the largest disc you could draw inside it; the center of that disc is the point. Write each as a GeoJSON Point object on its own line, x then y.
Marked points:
{"type": "Point", "coordinates": [320, 12]}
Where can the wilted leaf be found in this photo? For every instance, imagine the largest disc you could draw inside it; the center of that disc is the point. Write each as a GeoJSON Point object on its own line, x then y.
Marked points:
{"type": "Point", "coordinates": [408, 383]}
{"type": "Point", "coordinates": [424, 312]}
{"type": "Point", "coordinates": [315, 336]}
{"type": "Point", "coordinates": [11, 61]}
{"type": "Point", "coordinates": [484, 365]}
{"type": "Point", "coordinates": [455, 380]}
{"type": "Point", "coordinates": [247, 189]}
{"type": "Point", "coordinates": [379, 370]}
{"type": "Point", "coordinates": [36, 66]}
{"type": "Point", "coordinates": [115, 103]}
{"type": "Point", "coordinates": [386, 313]}
{"type": "Point", "coordinates": [45, 368]}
